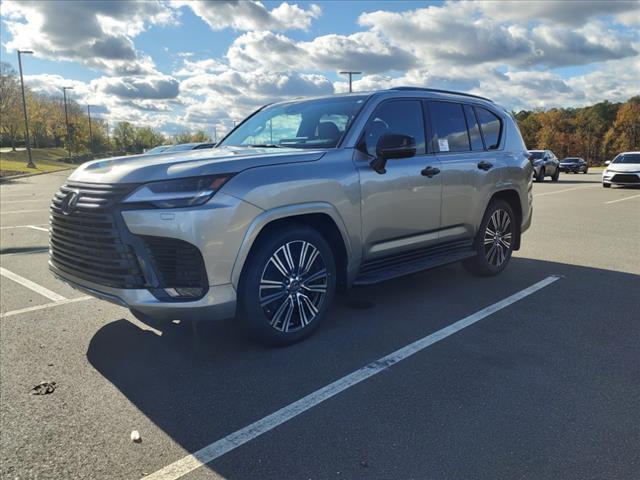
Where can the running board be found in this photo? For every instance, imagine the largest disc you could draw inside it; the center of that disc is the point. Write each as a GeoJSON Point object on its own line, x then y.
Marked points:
{"type": "Point", "coordinates": [386, 268]}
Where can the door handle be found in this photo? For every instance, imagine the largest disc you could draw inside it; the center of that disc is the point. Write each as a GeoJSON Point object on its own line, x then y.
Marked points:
{"type": "Point", "coordinates": [430, 171]}
{"type": "Point", "coordinates": [485, 165]}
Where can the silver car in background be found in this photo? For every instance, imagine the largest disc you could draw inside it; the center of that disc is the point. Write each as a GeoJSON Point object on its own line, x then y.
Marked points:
{"type": "Point", "coordinates": [301, 199]}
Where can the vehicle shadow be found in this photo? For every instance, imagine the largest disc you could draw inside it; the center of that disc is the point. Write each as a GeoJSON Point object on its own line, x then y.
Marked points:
{"type": "Point", "coordinates": [199, 382]}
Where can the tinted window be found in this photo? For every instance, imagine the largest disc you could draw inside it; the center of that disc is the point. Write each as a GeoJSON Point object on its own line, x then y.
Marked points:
{"type": "Point", "coordinates": [537, 155]}
{"type": "Point", "coordinates": [474, 129]}
{"type": "Point", "coordinates": [449, 127]}
{"type": "Point", "coordinates": [399, 116]}
{"type": "Point", "coordinates": [491, 127]}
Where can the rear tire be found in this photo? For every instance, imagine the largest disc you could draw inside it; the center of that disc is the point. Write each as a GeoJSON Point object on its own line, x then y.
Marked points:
{"type": "Point", "coordinates": [494, 241]}
{"type": "Point", "coordinates": [287, 286]}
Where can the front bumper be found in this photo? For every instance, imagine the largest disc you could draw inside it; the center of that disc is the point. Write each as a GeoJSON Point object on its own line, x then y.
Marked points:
{"type": "Point", "coordinates": [621, 178]}
{"type": "Point", "coordinates": [218, 303]}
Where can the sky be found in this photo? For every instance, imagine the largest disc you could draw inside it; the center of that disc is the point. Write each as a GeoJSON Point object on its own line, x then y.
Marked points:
{"type": "Point", "coordinates": [180, 65]}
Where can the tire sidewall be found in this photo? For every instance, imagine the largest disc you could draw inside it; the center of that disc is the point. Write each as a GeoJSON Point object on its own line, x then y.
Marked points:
{"type": "Point", "coordinates": [253, 318]}
{"type": "Point", "coordinates": [485, 267]}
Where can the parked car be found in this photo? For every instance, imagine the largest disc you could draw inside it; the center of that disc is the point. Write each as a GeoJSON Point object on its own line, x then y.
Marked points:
{"type": "Point", "coordinates": [156, 150]}
{"type": "Point", "coordinates": [545, 164]}
{"type": "Point", "coordinates": [624, 169]}
{"type": "Point", "coordinates": [573, 165]}
{"type": "Point", "coordinates": [303, 197]}
{"type": "Point", "coordinates": [182, 147]}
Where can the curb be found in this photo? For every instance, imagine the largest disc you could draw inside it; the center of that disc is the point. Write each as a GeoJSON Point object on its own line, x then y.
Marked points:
{"type": "Point", "coordinates": [24, 175]}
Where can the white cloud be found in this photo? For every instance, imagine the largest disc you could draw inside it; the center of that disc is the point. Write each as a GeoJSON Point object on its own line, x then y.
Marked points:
{"type": "Point", "coordinates": [275, 52]}
{"type": "Point", "coordinates": [95, 34]}
{"type": "Point", "coordinates": [250, 15]}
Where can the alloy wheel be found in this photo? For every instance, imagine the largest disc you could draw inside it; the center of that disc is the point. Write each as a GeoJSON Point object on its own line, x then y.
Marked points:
{"type": "Point", "coordinates": [293, 286]}
{"type": "Point", "coordinates": [497, 238]}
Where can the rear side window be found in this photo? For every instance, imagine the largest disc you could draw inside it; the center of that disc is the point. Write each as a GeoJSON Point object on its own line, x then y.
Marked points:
{"type": "Point", "coordinates": [474, 128]}
{"type": "Point", "coordinates": [491, 128]}
{"type": "Point", "coordinates": [449, 127]}
{"type": "Point", "coordinates": [398, 116]}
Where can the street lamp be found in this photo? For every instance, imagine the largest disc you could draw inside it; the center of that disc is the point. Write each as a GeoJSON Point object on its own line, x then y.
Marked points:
{"type": "Point", "coordinates": [90, 134]}
{"type": "Point", "coordinates": [351, 74]}
{"type": "Point", "coordinates": [66, 119]}
{"type": "Point", "coordinates": [30, 164]}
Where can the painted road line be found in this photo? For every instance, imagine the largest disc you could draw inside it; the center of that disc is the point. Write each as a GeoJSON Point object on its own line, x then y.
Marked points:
{"type": "Point", "coordinates": [565, 190]}
{"type": "Point", "coordinates": [45, 292]}
{"type": "Point", "coordinates": [22, 226]}
{"type": "Point", "coordinates": [23, 211]}
{"type": "Point", "coordinates": [46, 305]}
{"type": "Point", "coordinates": [35, 227]}
{"type": "Point", "coordinates": [622, 199]}
{"type": "Point", "coordinates": [240, 437]}
{"type": "Point", "coordinates": [26, 252]}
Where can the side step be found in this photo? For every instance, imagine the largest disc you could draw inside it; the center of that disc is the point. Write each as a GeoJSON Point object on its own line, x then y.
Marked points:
{"type": "Point", "coordinates": [386, 268]}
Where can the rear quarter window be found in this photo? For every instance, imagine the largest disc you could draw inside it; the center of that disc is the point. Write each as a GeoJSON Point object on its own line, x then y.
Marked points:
{"type": "Point", "coordinates": [449, 127]}
{"type": "Point", "coordinates": [491, 127]}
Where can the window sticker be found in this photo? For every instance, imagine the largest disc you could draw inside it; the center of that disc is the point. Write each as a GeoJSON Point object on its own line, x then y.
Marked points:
{"type": "Point", "coordinates": [443, 144]}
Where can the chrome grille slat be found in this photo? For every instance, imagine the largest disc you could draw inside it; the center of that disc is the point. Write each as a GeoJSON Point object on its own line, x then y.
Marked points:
{"type": "Point", "coordinates": [86, 242]}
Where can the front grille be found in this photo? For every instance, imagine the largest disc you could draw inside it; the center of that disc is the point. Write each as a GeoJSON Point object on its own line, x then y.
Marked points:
{"type": "Point", "coordinates": [85, 241]}
{"type": "Point", "coordinates": [177, 263]}
{"type": "Point", "coordinates": [625, 178]}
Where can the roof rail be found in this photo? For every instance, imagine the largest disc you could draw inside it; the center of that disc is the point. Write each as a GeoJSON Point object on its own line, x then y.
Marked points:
{"type": "Point", "coordinates": [436, 90]}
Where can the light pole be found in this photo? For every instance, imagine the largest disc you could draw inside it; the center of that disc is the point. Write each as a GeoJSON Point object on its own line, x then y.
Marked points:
{"type": "Point", "coordinates": [30, 164]}
{"type": "Point", "coordinates": [66, 119]}
{"type": "Point", "coordinates": [351, 74]}
{"type": "Point", "coordinates": [90, 134]}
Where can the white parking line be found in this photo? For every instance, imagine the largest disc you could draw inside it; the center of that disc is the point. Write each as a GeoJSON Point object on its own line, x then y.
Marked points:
{"type": "Point", "coordinates": [23, 211]}
{"type": "Point", "coordinates": [565, 190]}
{"type": "Point", "coordinates": [622, 199]}
{"type": "Point", "coordinates": [45, 292]}
{"type": "Point", "coordinates": [34, 227]}
{"type": "Point", "coordinates": [23, 226]}
{"type": "Point", "coordinates": [240, 437]}
{"type": "Point", "coordinates": [46, 305]}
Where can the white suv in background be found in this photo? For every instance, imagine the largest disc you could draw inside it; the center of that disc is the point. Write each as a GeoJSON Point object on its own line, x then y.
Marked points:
{"type": "Point", "coordinates": [622, 170]}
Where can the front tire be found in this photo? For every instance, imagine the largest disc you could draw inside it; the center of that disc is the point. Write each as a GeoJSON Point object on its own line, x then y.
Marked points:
{"type": "Point", "coordinates": [494, 242]}
{"type": "Point", "coordinates": [540, 176]}
{"type": "Point", "coordinates": [606, 185]}
{"type": "Point", "coordinates": [556, 175]}
{"type": "Point", "coordinates": [287, 286]}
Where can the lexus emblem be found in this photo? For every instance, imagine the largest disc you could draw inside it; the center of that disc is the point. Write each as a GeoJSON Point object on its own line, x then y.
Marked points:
{"type": "Point", "coordinates": [70, 202]}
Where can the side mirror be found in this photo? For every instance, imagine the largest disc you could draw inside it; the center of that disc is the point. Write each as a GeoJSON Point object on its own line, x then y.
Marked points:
{"type": "Point", "coordinates": [392, 145]}
{"type": "Point", "coordinates": [608, 162]}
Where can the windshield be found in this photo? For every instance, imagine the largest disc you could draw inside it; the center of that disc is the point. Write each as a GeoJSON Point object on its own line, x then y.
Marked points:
{"type": "Point", "coordinates": [304, 124]}
{"type": "Point", "coordinates": [627, 158]}
{"type": "Point", "coordinates": [571, 159]}
{"type": "Point", "coordinates": [537, 155]}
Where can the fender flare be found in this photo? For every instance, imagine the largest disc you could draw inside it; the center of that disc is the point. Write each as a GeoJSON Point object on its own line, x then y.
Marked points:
{"type": "Point", "coordinates": [279, 213]}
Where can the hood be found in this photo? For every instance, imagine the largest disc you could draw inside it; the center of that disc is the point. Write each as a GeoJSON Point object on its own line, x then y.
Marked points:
{"type": "Point", "coordinates": [623, 167]}
{"type": "Point", "coordinates": [165, 166]}
{"type": "Point", "coordinates": [569, 162]}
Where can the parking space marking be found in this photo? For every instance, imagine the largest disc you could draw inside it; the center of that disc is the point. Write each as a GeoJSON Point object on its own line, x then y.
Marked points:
{"type": "Point", "coordinates": [35, 227]}
{"type": "Point", "coordinates": [46, 305]}
{"type": "Point", "coordinates": [25, 252]}
{"type": "Point", "coordinates": [565, 190]}
{"type": "Point", "coordinates": [45, 292]}
{"type": "Point", "coordinates": [23, 226]}
{"type": "Point", "coordinates": [23, 211]}
{"type": "Point", "coordinates": [622, 199]}
{"type": "Point", "coordinates": [240, 437]}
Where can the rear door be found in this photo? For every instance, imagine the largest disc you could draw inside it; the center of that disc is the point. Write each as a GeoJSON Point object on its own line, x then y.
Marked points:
{"type": "Point", "coordinates": [469, 167]}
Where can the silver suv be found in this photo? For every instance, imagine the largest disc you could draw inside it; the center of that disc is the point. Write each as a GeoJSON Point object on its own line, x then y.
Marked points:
{"type": "Point", "coordinates": [300, 199]}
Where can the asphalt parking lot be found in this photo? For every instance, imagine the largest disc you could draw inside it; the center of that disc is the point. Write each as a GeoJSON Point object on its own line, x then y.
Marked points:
{"type": "Point", "coordinates": [543, 384]}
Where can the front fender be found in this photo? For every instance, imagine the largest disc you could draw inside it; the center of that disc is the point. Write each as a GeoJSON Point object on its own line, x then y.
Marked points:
{"type": "Point", "coordinates": [290, 211]}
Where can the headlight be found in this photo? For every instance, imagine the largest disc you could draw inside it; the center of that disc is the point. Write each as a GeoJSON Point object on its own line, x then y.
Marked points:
{"type": "Point", "coordinates": [183, 192]}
